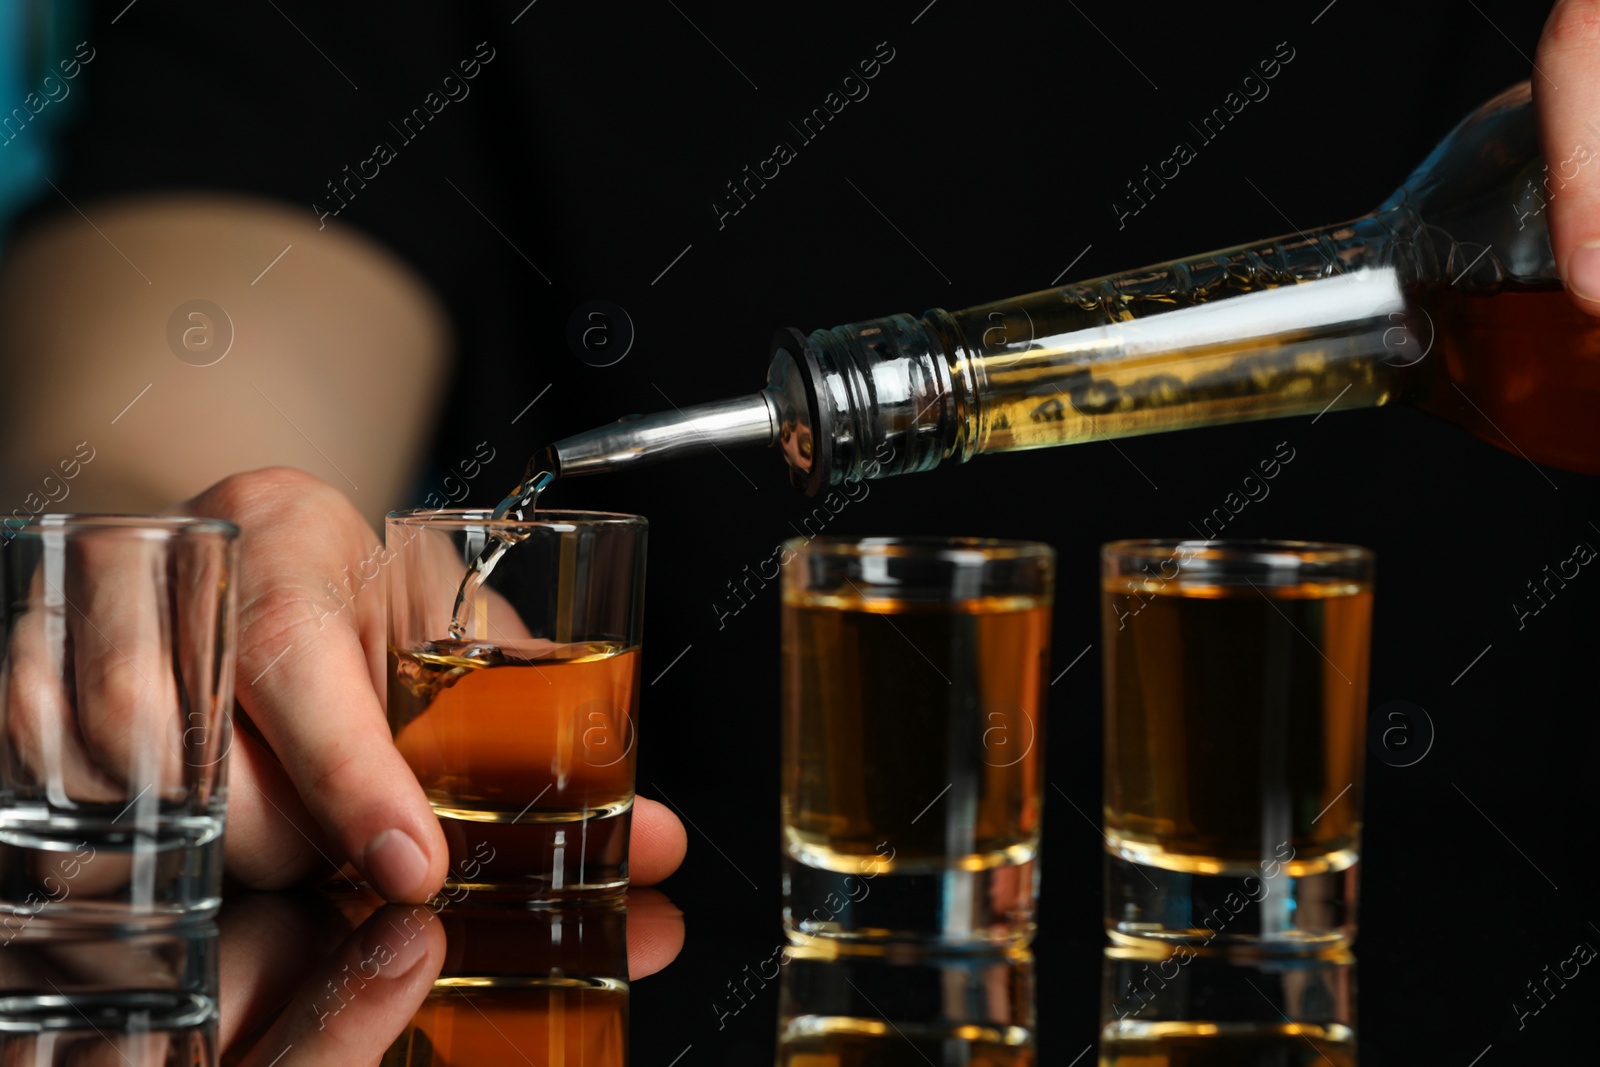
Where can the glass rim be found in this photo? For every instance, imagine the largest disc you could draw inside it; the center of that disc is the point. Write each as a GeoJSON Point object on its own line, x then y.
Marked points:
{"type": "Point", "coordinates": [478, 518]}
{"type": "Point", "coordinates": [1226, 550]}
{"type": "Point", "coordinates": [148, 525]}
{"type": "Point", "coordinates": [950, 549]}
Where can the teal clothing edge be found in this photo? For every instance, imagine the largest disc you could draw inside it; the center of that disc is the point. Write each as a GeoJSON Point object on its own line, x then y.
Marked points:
{"type": "Point", "coordinates": [41, 87]}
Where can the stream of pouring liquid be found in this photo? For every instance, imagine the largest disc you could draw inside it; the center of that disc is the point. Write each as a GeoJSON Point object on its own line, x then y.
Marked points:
{"type": "Point", "coordinates": [519, 505]}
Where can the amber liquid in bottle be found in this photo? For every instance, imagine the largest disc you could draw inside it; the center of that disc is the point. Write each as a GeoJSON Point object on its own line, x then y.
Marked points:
{"type": "Point", "coordinates": [1519, 368]}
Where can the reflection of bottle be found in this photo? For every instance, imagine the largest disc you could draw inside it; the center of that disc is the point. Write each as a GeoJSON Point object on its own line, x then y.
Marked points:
{"type": "Point", "coordinates": [857, 1009]}
{"type": "Point", "coordinates": [1447, 296]}
{"type": "Point", "coordinates": [551, 984]}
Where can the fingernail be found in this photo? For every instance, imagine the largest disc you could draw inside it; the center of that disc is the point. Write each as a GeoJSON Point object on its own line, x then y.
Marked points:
{"type": "Point", "coordinates": [395, 864]}
{"type": "Point", "coordinates": [1583, 271]}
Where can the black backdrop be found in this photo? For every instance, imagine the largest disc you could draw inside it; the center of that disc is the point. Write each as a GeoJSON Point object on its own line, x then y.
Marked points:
{"type": "Point", "coordinates": [994, 142]}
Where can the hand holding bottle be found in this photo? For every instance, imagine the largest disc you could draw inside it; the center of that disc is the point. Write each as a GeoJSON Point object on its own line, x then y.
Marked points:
{"type": "Point", "coordinates": [1566, 92]}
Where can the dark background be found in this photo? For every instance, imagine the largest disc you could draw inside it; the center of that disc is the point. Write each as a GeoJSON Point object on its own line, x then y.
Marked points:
{"type": "Point", "coordinates": [995, 141]}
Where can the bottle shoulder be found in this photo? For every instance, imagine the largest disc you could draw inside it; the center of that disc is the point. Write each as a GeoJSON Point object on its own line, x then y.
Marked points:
{"type": "Point", "coordinates": [1481, 197]}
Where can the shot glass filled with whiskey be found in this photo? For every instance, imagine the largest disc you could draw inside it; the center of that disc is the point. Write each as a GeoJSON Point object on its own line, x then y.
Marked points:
{"type": "Point", "coordinates": [513, 695]}
{"type": "Point", "coordinates": [1235, 697]}
{"type": "Point", "coordinates": [913, 738]}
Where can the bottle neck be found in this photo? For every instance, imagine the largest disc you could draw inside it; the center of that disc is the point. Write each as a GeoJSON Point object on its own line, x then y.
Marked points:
{"type": "Point", "coordinates": [1296, 325]}
{"type": "Point", "coordinates": [1290, 326]}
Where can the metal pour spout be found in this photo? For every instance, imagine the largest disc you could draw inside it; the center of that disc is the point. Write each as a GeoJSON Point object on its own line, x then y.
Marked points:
{"type": "Point", "coordinates": [639, 440]}
{"type": "Point", "coordinates": [788, 413]}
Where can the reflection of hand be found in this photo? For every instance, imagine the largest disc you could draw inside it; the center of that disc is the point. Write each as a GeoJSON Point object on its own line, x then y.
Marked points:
{"type": "Point", "coordinates": [261, 967]}
{"type": "Point", "coordinates": [384, 976]}
{"type": "Point", "coordinates": [1569, 57]}
{"type": "Point", "coordinates": [311, 650]}
{"type": "Point", "coordinates": [655, 932]}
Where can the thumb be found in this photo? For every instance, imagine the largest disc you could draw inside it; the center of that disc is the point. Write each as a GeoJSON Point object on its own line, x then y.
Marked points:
{"type": "Point", "coordinates": [1566, 91]}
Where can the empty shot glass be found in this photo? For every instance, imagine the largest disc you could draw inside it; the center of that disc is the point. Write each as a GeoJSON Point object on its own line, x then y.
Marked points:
{"type": "Point", "coordinates": [913, 738]}
{"type": "Point", "coordinates": [522, 729]}
{"type": "Point", "coordinates": [1235, 714]}
{"type": "Point", "coordinates": [116, 687]}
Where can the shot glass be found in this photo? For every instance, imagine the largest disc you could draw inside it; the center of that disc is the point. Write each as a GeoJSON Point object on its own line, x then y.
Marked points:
{"type": "Point", "coordinates": [116, 688]}
{"type": "Point", "coordinates": [522, 731]}
{"type": "Point", "coordinates": [913, 738]}
{"type": "Point", "coordinates": [1235, 712]}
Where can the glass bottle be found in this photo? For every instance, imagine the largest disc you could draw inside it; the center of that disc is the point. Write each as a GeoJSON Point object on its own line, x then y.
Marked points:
{"type": "Point", "coordinates": [1446, 297]}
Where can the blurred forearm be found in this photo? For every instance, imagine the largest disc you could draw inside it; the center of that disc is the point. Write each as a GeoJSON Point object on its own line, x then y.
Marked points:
{"type": "Point", "coordinates": [331, 359]}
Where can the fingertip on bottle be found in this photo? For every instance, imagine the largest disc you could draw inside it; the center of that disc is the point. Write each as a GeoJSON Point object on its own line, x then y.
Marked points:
{"type": "Point", "coordinates": [1583, 274]}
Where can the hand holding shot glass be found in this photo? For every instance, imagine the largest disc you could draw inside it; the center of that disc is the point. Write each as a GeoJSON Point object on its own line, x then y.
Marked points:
{"type": "Point", "coordinates": [116, 681]}
{"type": "Point", "coordinates": [517, 712]}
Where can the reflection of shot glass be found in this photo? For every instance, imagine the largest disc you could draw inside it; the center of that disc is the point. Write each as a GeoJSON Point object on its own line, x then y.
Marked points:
{"type": "Point", "coordinates": [1173, 1004]}
{"type": "Point", "coordinates": [522, 732]}
{"type": "Point", "coordinates": [116, 681]}
{"type": "Point", "coordinates": [540, 985]}
{"type": "Point", "coordinates": [1235, 690]}
{"type": "Point", "coordinates": [854, 1007]}
{"type": "Point", "coordinates": [73, 993]}
{"type": "Point", "coordinates": [914, 680]}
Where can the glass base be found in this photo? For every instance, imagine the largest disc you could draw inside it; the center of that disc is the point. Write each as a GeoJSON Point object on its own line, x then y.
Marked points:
{"type": "Point", "coordinates": [1281, 914]}
{"type": "Point", "coordinates": [940, 907]}
{"type": "Point", "coordinates": [543, 862]}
